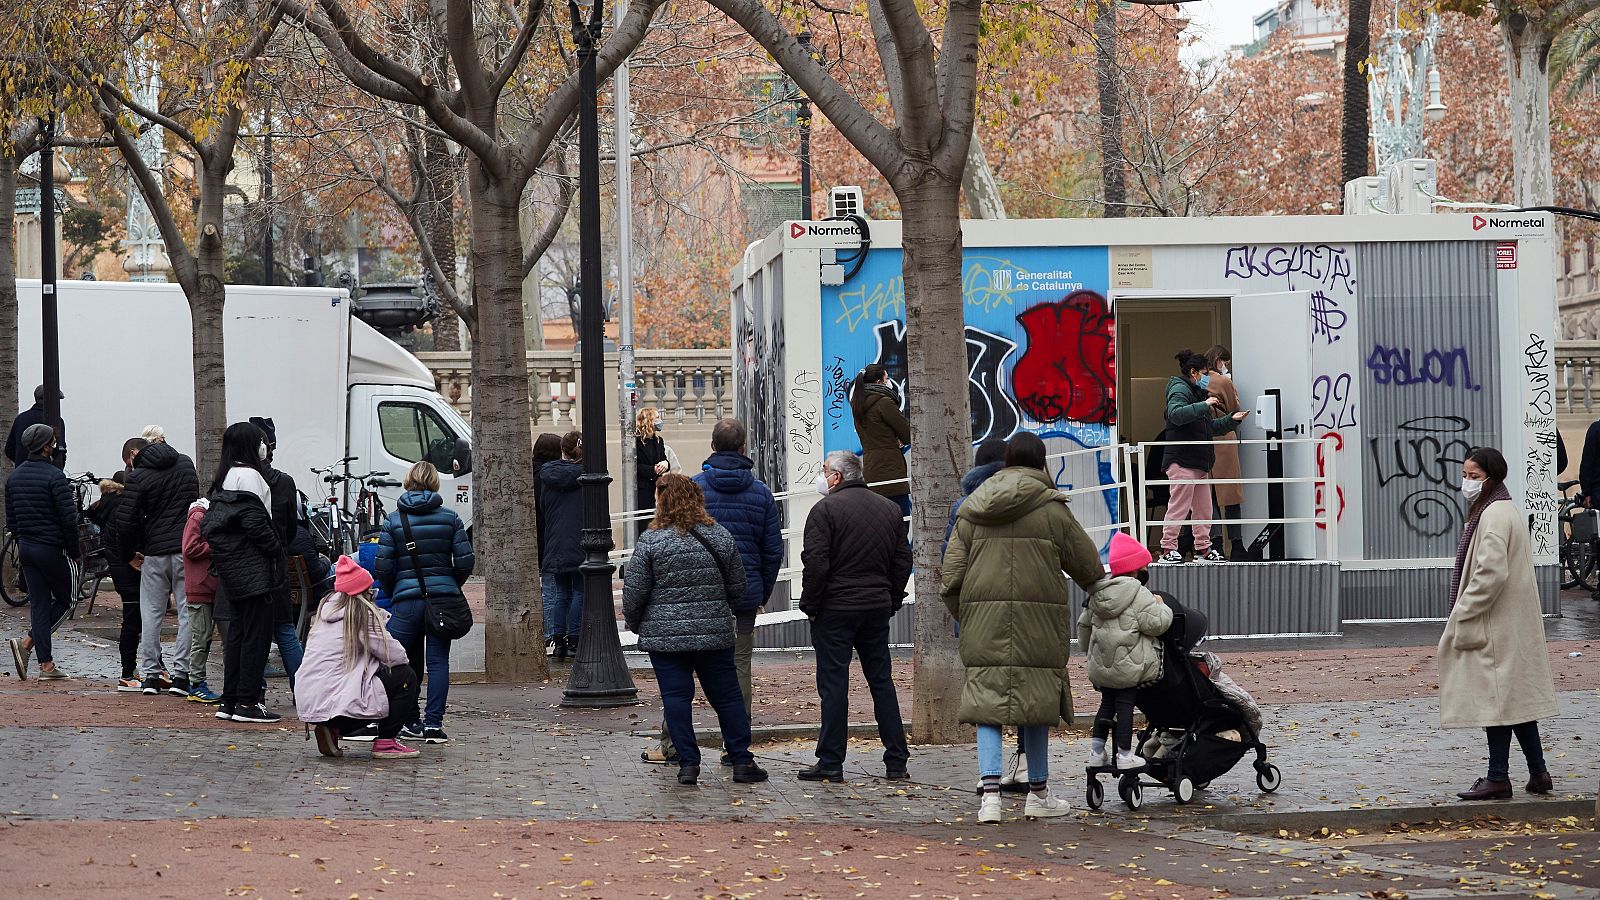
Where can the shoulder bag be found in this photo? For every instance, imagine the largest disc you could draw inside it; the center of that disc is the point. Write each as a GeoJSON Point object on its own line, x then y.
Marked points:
{"type": "Point", "coordinates": [449, 618]}
{"type": "Point", "coordinates": [716, 561]}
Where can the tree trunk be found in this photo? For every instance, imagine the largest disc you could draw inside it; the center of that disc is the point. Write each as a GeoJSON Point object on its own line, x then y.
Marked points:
{"type": "Point", "coordinates": [979, 185]}
{"type": "Point", "coordinates": [1109, 81]}
{"type": "Point", "coordinates": [532, 307]}
{"type": "Point", "coordinates": [8, 305]}
{"type": "Point", "coordinates": [941, 449]}
{"type": "Point", "coordinates": [506, 539]}
{"type": "Point", "coordinates": [206, 312]}
{"type": "Point", "coordinates": [1354, 129]}
{"type": "Point", "coordinates": [441, 173]}
{"type": "Point", "coordinates": [1527, 44]}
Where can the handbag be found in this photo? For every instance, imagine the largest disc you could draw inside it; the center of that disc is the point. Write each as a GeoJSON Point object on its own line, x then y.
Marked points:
{"type": "Point", "coordinates": [449, 618]}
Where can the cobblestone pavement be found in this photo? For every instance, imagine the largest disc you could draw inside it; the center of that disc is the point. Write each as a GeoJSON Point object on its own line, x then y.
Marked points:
{"type": "Point", "coordinates": [124, 795]}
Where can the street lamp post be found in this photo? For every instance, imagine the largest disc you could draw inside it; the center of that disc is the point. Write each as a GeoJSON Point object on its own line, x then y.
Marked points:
{"type": "Point", "coordinates": [49, 311]}
{"type": "Point", "coordinates": [803, 119]}
{"type": "Point", "coordinates": [599, 675]}
{"type": "Point", "coordinates": [1403, 92]}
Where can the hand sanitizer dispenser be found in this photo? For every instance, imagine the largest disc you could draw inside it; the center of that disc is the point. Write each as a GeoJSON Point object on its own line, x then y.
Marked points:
{"type": "Point", "coordinates": [1267, 412]}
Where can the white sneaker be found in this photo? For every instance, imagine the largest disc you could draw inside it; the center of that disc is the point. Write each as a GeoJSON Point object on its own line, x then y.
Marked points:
{"type": "Point", "coordinates": [1170, 558]}
{"type": "Point", "coordinates": [1097, 753]}
{"type": "Point", "coordinates": [1014, 772]}
{"type": "Point", "coordinates": [989, 809]}
{"type": "Point", "coordinates": [1128, 761]}
{"type": "Point", "coordinates": [1045, 807]}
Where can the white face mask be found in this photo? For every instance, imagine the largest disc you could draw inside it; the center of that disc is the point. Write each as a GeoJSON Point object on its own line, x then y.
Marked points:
{"type": "Point", "coordinates": [1471, 488]}
{"type": "Point", "coordinates": [261, 452]}
{"type": "Point", "coordinates": [822, 485]}
{"type": "Point", "coordinates": [1225, 369]}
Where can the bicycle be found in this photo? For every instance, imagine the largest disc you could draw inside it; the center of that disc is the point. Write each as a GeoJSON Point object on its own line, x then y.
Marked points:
{"type": "Point", "coordinates": [86, 568]}
{"type": "Point", "coordinates": [336, 529]}
{"type": "Point", "coordinates": [1580, 542]}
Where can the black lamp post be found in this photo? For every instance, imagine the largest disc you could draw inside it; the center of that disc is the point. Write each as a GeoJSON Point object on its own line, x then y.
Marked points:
{"type": "Point", "coordinates": [49, 312]}
{"type": "Point", "coordinates": [803, 119]}
{"type": "Point", "coordinates": [599, 675]}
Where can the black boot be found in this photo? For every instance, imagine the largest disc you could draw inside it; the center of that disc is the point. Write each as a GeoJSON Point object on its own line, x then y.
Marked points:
{"type": "Point", "coordinates": [688, 774]}
{"type": "Point", "coordinates": [561, 647]}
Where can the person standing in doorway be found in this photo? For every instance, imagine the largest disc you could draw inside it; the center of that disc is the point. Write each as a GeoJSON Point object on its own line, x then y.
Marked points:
{"type": "Point", "coordinates": [40, 511]}
{"type": "Point", "coordinates": [149, 529]}
{"type": "Point", "coordinates": [856, 565]}
{"type": "Point", "coordinates": [438, 555]}
{"type": "Point", "coordinates": [1190, 421]}
{"type": "Point", "coordinates": [884, 434]}
{"type": "Point", "coordinates": [561, 530]}
{"type": "Point", "coordinates": [1229, 497]}
{"type": "Point", "coordinates": [1494, 669]}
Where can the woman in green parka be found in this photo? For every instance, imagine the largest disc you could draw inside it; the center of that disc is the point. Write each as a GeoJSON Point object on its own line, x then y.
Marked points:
{"type": "Point", "coordinates": [1003, 581]}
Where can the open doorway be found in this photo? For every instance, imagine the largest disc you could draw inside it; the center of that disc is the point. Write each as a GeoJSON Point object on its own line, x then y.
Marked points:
{"type": "Point", "coordinates": [1150, 331]}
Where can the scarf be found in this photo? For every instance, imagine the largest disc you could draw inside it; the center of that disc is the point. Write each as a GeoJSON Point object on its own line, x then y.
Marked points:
{"type": "Point", "coordinates": [1500, 493]}
{"type": "Point", "coordinates": [886, 390]}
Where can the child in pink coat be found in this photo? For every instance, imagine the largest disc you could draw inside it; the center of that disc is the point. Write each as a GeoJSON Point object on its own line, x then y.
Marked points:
{"type": "Point", "coordinates": [354, 672]}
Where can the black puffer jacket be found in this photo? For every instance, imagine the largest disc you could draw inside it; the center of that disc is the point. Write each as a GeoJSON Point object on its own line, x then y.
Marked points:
{"type": "Point", "coordinates": [855, 554]}
{"type": "Point", "coordinates": [560, 517]}
{"type": "Point", "coordinates": [39, 505]}
{"type": "Point", "coordinates": [160, 488]}
{"type": "Point", "coordinates": [246, 554]}
{"type": "Point", "coordinates": [286, 519]}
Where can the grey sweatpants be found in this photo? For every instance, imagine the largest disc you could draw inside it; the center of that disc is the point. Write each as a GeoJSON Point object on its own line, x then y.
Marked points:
{"type": "Point", "coordinates": [159, 577]}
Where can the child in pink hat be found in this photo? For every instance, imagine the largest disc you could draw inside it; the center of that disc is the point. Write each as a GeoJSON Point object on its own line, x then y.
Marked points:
{"type": "Point", "coordinates": [1118, 633]}
{"type": "Point", "coordinates": [354, 672]}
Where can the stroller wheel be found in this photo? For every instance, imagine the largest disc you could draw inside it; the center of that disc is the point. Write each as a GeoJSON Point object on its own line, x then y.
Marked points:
{"type": "Point", "coordinates": [1132, 794]}
{"type": "Point", "coordinates": [1183, 791]}
{"type": "Point", "coordinates": [1096, 794]}
{"type": "Point", "coordinates": [1268, 778]}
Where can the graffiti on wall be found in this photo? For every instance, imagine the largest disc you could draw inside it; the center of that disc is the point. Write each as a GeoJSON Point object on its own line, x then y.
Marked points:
{"type": "Point", "coordinates": [1067, 372]}
{"type": "Point", "coordinates": [1539, 418]}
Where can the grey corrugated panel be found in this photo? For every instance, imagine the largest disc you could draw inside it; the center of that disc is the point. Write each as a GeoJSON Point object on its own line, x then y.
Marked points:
{"type": "Point", "coordinates": [1242, 599]}
{"type": "Point", "coordinates": [1418, 299]}
{"type": "Point", "coordinates": [1422, 593]}
{"type": "Point", "coordinates": [797, 634]}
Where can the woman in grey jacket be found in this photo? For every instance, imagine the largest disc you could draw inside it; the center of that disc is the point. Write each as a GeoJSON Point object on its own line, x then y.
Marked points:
{"type": "Point", "coordinates": [678, 596]}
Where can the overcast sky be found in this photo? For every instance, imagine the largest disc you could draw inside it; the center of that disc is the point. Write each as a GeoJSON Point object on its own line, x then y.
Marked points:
{"type": "Point", "coordinates": [1220, 24]}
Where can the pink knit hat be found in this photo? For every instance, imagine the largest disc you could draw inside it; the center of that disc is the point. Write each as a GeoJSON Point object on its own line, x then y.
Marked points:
{"type": "Point", "coordinates": [1127, 555]}
{"type": "Point", "coordinates": [350, 579]}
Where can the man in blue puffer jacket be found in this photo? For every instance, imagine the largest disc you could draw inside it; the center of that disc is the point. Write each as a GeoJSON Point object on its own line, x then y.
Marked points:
{"type": "Point", "coordinates": [40, 511]}
{"type": "Point", "coordinates": [443, 561]}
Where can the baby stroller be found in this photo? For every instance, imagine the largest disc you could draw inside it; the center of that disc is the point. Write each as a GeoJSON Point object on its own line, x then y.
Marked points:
{"type": "Point", "coordinates": [1185, 702]}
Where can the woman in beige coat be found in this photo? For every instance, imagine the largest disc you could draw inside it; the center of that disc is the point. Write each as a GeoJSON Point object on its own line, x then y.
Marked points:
{"type": "Point", "coordinates": [1230, 497]}
{"type": "Point", "coordinates": [1494, 671]}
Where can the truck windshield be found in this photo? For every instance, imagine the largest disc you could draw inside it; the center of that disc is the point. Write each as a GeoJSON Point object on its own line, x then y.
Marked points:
{"type": "Point", "coordinates": [414, 433]}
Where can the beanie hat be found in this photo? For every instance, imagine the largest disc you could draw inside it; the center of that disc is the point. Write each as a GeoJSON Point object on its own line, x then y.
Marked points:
{"type": "Point", "coordinates": [35, 437]}
{"type": "Point", "coordinates": [349, 578]}
{"type": "Point", "coordinates": [1127, 555]}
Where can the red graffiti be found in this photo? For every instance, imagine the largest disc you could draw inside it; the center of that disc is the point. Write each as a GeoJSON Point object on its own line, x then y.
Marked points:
{"type": "Point", "coordinates": [1322, 471]}
{"type": "Point", "coordinates": [1067, 372]}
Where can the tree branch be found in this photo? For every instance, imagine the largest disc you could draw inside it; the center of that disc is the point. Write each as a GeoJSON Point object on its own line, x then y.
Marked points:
{"type": "Point", "coordinates": [909, 52]}
{"type": "Point", "coordinates": [958, 82]}
{"type": "Point", "coordinates": [183, 261]}
{"type": "Point", "coordinates": [519, 48]}
{"type": "Point", "coordinates": [546, 235]}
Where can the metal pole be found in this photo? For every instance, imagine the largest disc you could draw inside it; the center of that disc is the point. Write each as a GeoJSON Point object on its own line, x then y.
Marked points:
{"type": "Point", "coordinates": [627, 387]}
{"type": "Point", "coordinates": [266, 193]}
{"type": "Point", "coordinates": [600, 675]}
{"type": "Point", "coordinates": [50, 314]}
{"type": "Point", "coordinates": [803, 118]}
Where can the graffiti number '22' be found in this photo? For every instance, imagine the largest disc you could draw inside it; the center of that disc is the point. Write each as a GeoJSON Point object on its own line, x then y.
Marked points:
{"type": "Point", "coordinates": [1330, 396]}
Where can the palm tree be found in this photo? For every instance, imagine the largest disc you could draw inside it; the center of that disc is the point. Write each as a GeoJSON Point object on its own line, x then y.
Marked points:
{"type": "Point", "coordinates": [1353, 131]}
{"type": "Point", "coordinates": [1576, 52]}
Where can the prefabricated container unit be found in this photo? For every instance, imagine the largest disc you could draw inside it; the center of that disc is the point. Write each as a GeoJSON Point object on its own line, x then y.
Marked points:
{"type": "Point", "coordinates": [1399, 341]}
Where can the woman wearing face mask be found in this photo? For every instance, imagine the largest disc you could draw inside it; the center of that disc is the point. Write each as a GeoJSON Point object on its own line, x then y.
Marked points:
{"type": "Point", "coordinates": [649, 457]}
{"type": "Point", "coordinates": [1494, 670]}
{"type": "Point", "coordinates": [1230, 497]}
{"type": "Point", "coordinates": [1190, 419]}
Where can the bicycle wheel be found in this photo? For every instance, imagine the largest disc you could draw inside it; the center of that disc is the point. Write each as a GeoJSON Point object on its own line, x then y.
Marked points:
{"type": "Point", "coordinates": [1580, 560]}
{"type": "Point", "coordinates": [12, 588]}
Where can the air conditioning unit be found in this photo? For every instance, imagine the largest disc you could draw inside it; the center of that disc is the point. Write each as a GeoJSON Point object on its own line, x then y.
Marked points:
{"type": "Point", "coordinates": [845, 200]}
{"type": "Point", "coordinates": [1366, 196]}
{"type": "Point", "coordinates": [1413, 183]}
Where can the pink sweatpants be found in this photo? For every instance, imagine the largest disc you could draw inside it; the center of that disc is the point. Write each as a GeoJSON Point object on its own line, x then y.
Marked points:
{"type": "Point", "coordinates": [1188, 500]}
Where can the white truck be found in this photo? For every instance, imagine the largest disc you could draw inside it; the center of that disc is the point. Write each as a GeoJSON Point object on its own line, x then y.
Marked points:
{"type": "Point", "coordinates": [333, 386]}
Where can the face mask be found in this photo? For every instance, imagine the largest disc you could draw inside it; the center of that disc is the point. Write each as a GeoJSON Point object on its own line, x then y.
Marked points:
{"type": "Point", "coordinates": [1225, 369]}
{"type": "Point", "coordinates": [1471, 488]}
{"type": "Point", "coordinates": [261, 452]}
{"type": "Point", "coordinates": [1203, 382]}
{"type": "Point", "coordinates": [822, 485]}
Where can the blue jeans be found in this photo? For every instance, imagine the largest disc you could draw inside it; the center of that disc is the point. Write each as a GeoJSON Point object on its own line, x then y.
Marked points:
{"type": "Point", "coordinates": [1035, 741]}
{"type": "Point", "coordinates": [289, 648]}
{"type": "Point", "coordinates": [719, 680]}
{"type": "Point", "coordinates": [408, 624]}
{"type": "Point", "coordinates": [50, 589]}
{"type": "Point", "coordinates": [563, 603]}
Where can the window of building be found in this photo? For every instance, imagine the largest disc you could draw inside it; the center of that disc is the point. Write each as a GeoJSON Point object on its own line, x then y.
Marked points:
{"type": "Point", "coordinates": [414, 433]}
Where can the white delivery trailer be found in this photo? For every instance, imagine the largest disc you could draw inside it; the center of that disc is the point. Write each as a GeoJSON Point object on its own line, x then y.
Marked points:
{"type": "Point", "coordinates": [1389, 345]}
{"type": "Point", "coordinates": [332, 385]}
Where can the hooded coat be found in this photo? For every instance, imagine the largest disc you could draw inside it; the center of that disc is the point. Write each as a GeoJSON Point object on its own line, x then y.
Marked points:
{"type": "Point", "coordinates": [246, 554]}
{"type": "Point", "coordinates": [199, 585]}
{"type": "Point", "coordinates": [1003, 581]}
{"type": "Point", "coordinates": [156, 502]}
{"type": "Point", "coordinates": [1494, 668]}
{"type": "Point", "coordinates": [1189, 419]}
{"type": "Point", "coordinates": [324, 689]}
{"type": "Point", "coordinates": [745, 506]}
{"type": "Point", "coordinates": [560, 517]}
{"type": "Point", "coordinates": [1118, 631]}
{"type": "Point", "coordinates": [443, 552]}
{"type": "Point", "coordinates": [882, 429]}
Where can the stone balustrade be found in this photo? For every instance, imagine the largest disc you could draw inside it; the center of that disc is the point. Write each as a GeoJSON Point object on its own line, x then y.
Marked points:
{"type": "Point", "coordinates": [693, 387]}
{"type": "Point", "coordinates": [1577, 385]}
